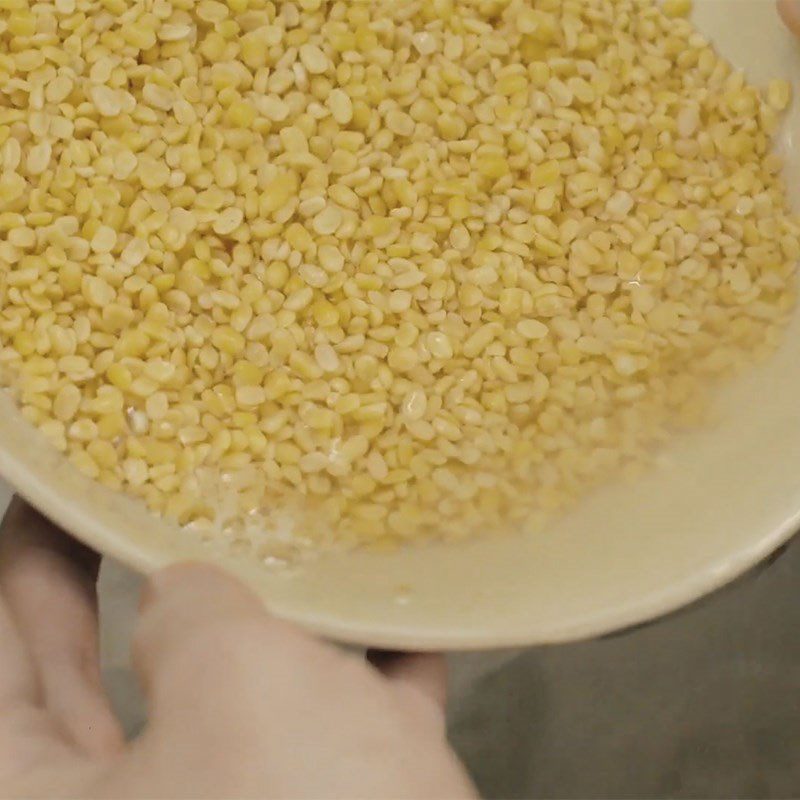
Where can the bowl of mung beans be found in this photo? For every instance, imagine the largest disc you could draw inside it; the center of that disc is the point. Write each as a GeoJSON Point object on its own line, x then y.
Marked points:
{"type": "Point", "coordinates": [443, 323]}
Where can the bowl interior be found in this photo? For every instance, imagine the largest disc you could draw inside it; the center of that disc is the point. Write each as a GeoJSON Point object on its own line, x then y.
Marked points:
{"type": "Point", "coordinates": [719, 502]}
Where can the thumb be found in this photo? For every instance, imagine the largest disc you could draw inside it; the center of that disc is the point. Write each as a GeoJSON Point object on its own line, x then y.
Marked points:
{"type": "Point", "coordinates": [214, 665]}
{"type": "Point", "coordinates": [189, 616]}
{"type": "Point", "coordinates": [184, 603]}
{"type": "Point", "coordinates": [790, 13]}
{"type": "Point", "coordinates": [205, 646]}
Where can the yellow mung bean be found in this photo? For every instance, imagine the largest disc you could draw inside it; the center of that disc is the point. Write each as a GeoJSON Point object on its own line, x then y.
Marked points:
{"type": "Point", "coordinates": [389, 269]}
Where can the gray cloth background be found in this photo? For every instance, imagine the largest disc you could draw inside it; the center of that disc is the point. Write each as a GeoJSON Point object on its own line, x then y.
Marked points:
{"type": "Point", "coordinates": [703, 705]}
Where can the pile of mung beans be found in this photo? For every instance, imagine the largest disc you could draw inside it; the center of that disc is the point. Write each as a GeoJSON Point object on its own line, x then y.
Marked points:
{"type": "Point", "coordinates": [377, 270]}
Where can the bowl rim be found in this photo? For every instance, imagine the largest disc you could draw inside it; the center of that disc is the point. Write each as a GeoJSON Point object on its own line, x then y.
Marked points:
{"type": "Point", "coordinates": [39, 489]}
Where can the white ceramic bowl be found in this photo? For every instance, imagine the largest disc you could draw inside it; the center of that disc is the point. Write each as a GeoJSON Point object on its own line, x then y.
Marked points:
{"type": "Point", "coordinates": [722, 501]}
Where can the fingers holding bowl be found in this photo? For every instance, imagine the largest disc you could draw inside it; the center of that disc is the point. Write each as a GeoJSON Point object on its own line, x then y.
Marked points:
{"type": "Point", "coordinates": [49, 584]}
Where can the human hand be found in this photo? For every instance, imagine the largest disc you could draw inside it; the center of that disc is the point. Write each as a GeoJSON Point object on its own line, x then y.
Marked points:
{"type": "Point", "coordinates": [790, 12]}
{"type": "Point", "coordinates": [240, 704]}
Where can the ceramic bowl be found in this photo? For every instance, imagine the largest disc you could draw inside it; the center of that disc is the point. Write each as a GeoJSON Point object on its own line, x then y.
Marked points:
{"type": "Point", "coordinates": [720, 502]}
